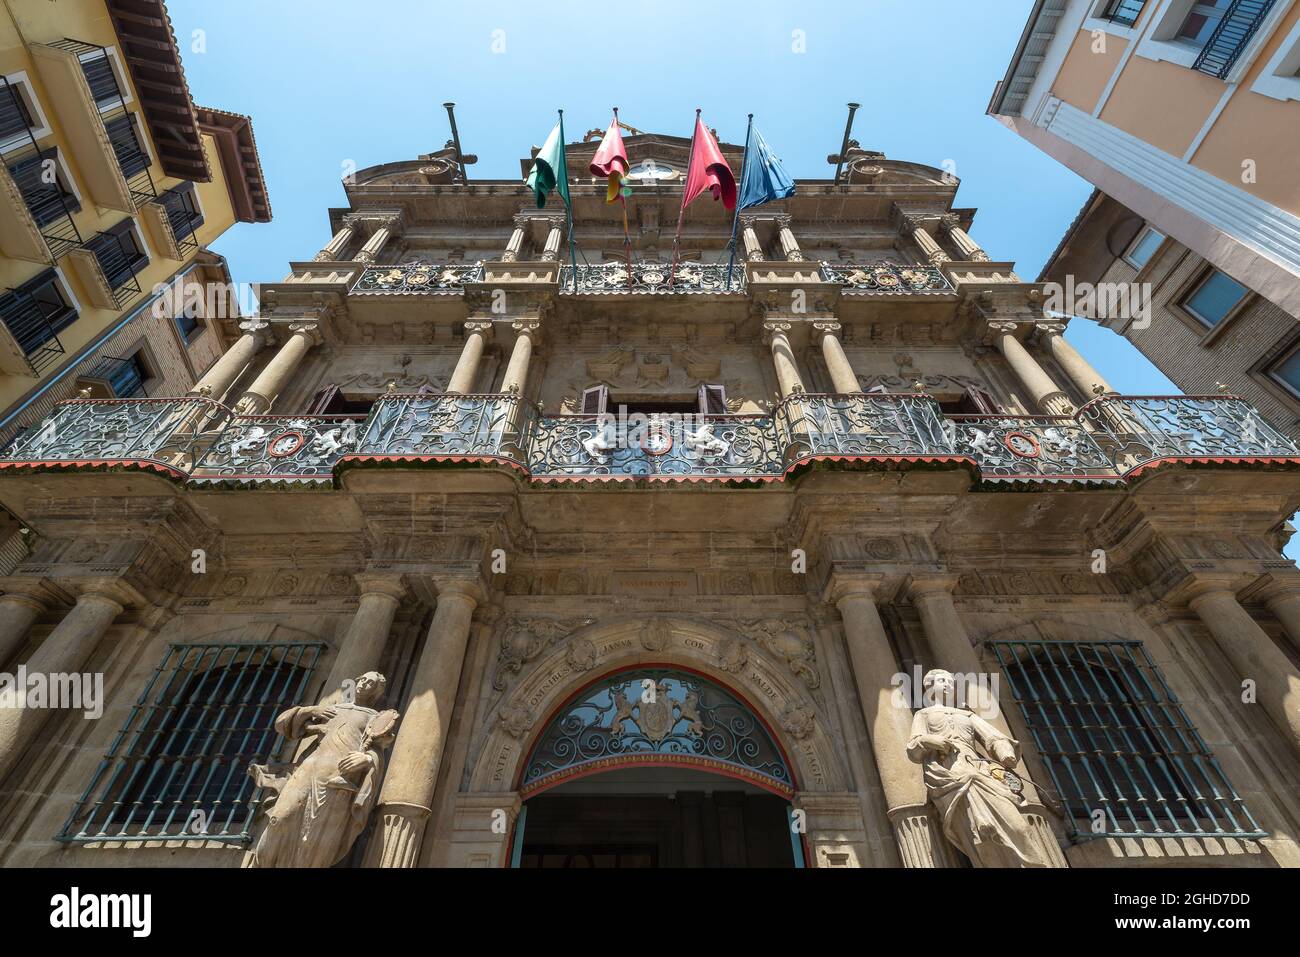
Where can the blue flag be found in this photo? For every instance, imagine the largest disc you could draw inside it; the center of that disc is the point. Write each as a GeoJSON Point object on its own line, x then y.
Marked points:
{"type": "Point", "coordinates": [764, 178]}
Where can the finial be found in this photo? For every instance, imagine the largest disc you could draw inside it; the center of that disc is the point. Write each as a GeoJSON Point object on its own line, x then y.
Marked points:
{"type": "Point", "coordinates": [918, 385]}
{"type": "Point", "coordinates": [1098, 389]}
{"type": "Point", "coordinates": [205, 390]}
{"type": "Point", "coordinates": [85, 393]}
{"type": "Point", "coordinates": [1222, 387]}
{"type": "Point", "coordinates": [392, 385]}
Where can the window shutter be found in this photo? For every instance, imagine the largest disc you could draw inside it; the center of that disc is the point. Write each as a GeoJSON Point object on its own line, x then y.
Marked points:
{"type": "Point", "coordinates": [713, 400]}
{"type": "Point", "coordinates": [595, 400]}
{"type": "Point", "coordinates": [320, 402]}
{"type": "Point", "coordinates": [982, 401]}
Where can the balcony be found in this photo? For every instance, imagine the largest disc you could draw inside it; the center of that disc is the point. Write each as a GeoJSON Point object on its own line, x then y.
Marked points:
{"type": "Point", "coordinates": [1112, 440]}
{"type": "Point", "coordinates": [884, 278]}
{"type": "Point", "coordinates": [1237, 26]}
{"type": "Point", "coordinates": [418, 278]}
{"type": "Point", "coordinates": [649, 278]}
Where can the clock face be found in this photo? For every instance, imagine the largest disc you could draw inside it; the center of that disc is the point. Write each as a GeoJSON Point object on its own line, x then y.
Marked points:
{"type": "Point", "coordinates": [651, 171]}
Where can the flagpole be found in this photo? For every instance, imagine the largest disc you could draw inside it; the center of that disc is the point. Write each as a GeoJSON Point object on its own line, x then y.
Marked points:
{"type": "Point", "coordinates": [568, 205]}
{"type": "Point", "coordinates": [622, 199]}
{"type": "Point", "coordinates": [735, 223]}
{"type": "Point", "coordinates": [677, 240]}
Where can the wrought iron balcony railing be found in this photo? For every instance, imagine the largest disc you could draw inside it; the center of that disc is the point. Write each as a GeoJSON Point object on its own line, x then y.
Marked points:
{"type": "Point", "coordinates": [292, 447]}
{"type": "Point", "coordinates": [1237, 27]}
{"type": "Point", "coordinates": [1029, 446]}
{"type": "Point", "coordinates": [418, 278]}
{"type": "Point", "coordinates": [1135, 431]}
{"type": "Point", "coordinates": [1111, 439]}
{"type": "Point", "coordinates": [887, 278]}
{"type": "Point", "coordinates": [649, 278]}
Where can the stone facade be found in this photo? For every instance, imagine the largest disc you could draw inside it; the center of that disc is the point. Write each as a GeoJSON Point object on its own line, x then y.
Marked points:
{"type": "Point", "coordinates": [870, 456]}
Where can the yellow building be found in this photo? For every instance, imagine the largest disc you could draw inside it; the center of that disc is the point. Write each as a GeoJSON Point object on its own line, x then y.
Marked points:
{"type": "Point", "coordinates": [112, 185]}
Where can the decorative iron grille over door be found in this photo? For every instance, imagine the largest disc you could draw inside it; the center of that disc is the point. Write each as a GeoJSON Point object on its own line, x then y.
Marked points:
{"type": "Point", "coordinates": [654, 716]}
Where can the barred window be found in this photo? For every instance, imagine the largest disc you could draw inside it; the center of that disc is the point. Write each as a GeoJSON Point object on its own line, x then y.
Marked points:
{"type": "Point", "coordinates": [1123, 756]}
{"type": "Point", "coordinates": [179, 766]}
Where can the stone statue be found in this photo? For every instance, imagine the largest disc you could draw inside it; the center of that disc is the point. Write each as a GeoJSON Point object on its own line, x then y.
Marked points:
{"type": "Point", "coordinates": [968, 775]}
{"type": "Point", "coordinates": [321, 801]}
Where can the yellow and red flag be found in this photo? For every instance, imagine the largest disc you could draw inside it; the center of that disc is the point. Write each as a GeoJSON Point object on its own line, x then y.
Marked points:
{"type": "Point", "coordinates": [610, 161]}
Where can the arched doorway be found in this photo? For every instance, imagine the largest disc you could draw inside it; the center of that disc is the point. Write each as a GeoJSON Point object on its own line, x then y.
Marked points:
{"type": "Point", "coordinates": [656, 766]}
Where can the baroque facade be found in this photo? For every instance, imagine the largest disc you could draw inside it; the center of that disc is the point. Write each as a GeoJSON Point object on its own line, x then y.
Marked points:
{"type": "Point", "coordinates": [616, 564]}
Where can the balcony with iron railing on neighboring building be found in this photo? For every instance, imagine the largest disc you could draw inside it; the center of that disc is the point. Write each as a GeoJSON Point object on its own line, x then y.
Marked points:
{"type": "Point", "coordinates": [114, 260]}
{"type": "Point", "coordinates": [37, 192]}
{"type": "Point", "coordinates": [33, 315]}
{"type": "Point", "coordinates": [1236, 28]}
{"type": "Point", "coordinates": [1112, 440]}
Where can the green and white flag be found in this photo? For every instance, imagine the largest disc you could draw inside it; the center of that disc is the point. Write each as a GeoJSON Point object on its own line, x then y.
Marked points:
{"type": "Point", "coordinates": [550, 170]}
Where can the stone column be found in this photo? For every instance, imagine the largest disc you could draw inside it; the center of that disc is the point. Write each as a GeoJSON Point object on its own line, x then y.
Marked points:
{"type": "Point", "coordinates": [66, 650]}
{"type": "Point", "coordinates": [516, 376]}
{"type": "Point", "coordinates": [333, 251]}
{"type": "Point", "coordinates": [932, 251]}
{"type": "Point", "coordinates": [789, 245]}
{"type": "Point", "coordinates": [1252, 653]}
{"type": "Point", "coordinates": [843, 377]}
{"type": "Point", "coordinates": [363, 645]}
{"type": "Point", "coordinates": [753, 249]}
{"type": "Point", "coordinates": [787, 371]}
{"type": "Point", "coordinates": [967, 247]}
{"type": "Point", "coordinates": [18, 612]}
{"type": "Point", "coordinates": [516, 242]}
{"type": "Point", "coordinates": [1041, 388]}
{"type": "Point", "coordinates": [554, 236]}
{"type": "Point", "coordinates": [1080, 371]}
{"type": "Point", "coordinates": [466, 372]}
{"type": "Point", "coordinates": [272, 379]}
{"type": "Point", "coordinates": [370, 252]}
{"type": "Point", "coordinates": [218, 379]}
{"type": "Point", "coordinates": [407, 795]}
{"type": "Point", "coordinates": [889, 721]}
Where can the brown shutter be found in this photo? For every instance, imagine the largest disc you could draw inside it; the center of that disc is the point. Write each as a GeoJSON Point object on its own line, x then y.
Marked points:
{"type": "Point", "coordinates": [595, 399]}
{"type": "Point", "coordinates": [713, 400]}
{"type": "Point", "coordinates": [320, 402]}
{"type": "Point", "coordinates": [982, 401]}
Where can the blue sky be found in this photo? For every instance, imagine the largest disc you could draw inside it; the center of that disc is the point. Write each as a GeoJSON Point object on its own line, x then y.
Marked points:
{"type": "Point", "coordinates": [327, 82]}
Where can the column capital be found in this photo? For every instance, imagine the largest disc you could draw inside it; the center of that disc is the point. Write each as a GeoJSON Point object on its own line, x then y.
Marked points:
{"type": "Point", "coordinates": [844, 586]}
{"type": "Point", "coordinates": [380, 583]}
{"type": "Point", "coordinates": [932, 584]}
{"type": "Point", "coordinates": [309, 329]}
{"type": "Point", "coordinates": [481, 326]}
{"type": "Point", "coordinates": [527, 327]}
{"type": "Point", "coordinates": [467, 589]}
{"type": "Point", "coordinates": [821, 328]}
{"type": "Point", "coordinates": [773, 328]}
{"type": "Point", "coordinates": [117, 595]}
{"type": "Point", "coordinates": [1199, 586]}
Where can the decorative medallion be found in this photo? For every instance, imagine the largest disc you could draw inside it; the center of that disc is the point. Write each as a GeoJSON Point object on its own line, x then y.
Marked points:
{"type": "Point", "coordinates": [1022, 444]}
{"type": "Point", "coordinates": [286, 444]}
{"type": "Point", "coordinates": [657, 441]}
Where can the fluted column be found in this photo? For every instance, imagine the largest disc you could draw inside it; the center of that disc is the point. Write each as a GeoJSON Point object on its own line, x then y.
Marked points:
{"type": "Point", "coordinates": [888, 720]}
{"type": "Point", "coordinates": [465, 374]}
{"type": "Point", "coordinates": [961, 240]}
{"type": "Point", "coordinates": [554, 236]}
{"type": "Point", "coordinates": [333, 250]}
{"type": "Point", "coordinates": [753, 249]}
{"type": "Point", "coordinates": [370, 252]}
{"type": "Point", "coordinates": [227, 369]}
{"type": "Point", "coordinates": [787, 370]}
{"type": "Point", "coordinates": [271, 381]}
{"type": "Point", "coordinates": [362, 647]}
{"type": "Point", "coordinates": [844, 379]}
{"type": "Point", "coordinates": [789, 245]}
{"type": "Point", "coordinates": [1041, 388]}
{"type": "Point", "coordinates": [407, 795]}
{"type": "Point", "coordinates": [18, 612]}
{"type": "Point", "coordinates": [932, 251]}
{"type": "Point", "coordinates": [516, 242]}
{"type": "Point", "coordinates": [65, 651]}
{"type": "Point", "coordinates": [1251, 652]}
{"type": "Point", "coordinates": [1080, 371]}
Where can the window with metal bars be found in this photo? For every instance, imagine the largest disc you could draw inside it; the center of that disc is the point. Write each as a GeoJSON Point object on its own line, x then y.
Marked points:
{"type": "Point", "coordinates": [1123, 756]}
{"type": "Point", "coordinates": [179, 766]}
{"type": "Point", "coordinates": [36, 312]}
{"type": "Point", "coordinates": [15, 117]}
{"type": "Point", "coordinates": [102, 79]}
{"type": "Point", "coordinates": [118, 253]}
{"type": "Point", "coordinates": [125, 137]}
{"type": "Point", "coordinates": [40, 180]}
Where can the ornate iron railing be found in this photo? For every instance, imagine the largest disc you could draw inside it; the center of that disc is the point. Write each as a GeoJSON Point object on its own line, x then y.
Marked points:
{"type": "Point", "coordinates": [871, 424]}
{"type": "Point", "coordinates": [279, 446]}
{"type": "Point", "coordinates": [1135, 430]}
{"type": "Point", "coordinates": [888, 278]}
{"type": "Point", "coordinates": [417, 426]}
{"type": "Point", "coordinates": [720, 446]}
{"type": "Point", "coordinates": [1237, 27]}
{"type": "Point", "coordinates": [1020, 446]}
{"type": "Point", "coordinates": [649, 278]}
{"type": "Point", "coordinates": [418, 278]}
{"type": "Point", "coordinates": [164, 432]}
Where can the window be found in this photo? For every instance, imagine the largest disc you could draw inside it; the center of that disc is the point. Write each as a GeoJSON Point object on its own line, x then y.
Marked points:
{"type": "Point", "coordinates": [104, 87]}
{"type": "Point", "coordinates": [119, 253]}
{"type": "Point", "coordinates": [974, 401]}
{"type": "Point", "coordinates": [41, 180]}
{"type": "Point", "coordinates": [37, 311]}
{"type": "Point", "coordinates": [125, 137]}
{"type": "Point", "coordinates": [1287, 372]}
{"type": "Point", "coordinates": [15, 117]}
{"type": "Point", "coordinates": [189, 319]}
{"type": "Point", "coordinates": [183, 212]}
{"type": "Point", "coordinates": [1215, 298]}
{"type": "Point", "coordinates": [21, 119]}
{"type": "Point", "coordinates": [712, 400]}
{"type": "Point", "coordinates": [1117, 745]}
{"type": "Point", "coordinates": [1280, 77]}
{"type": "Point", "coordinates": [1123, 12]}
{"type": "Point", "coordinates": [1201, 21]}
{"type": "Point", "coordinates": [1144, 247]}
{"type": "Point", "coordinates": [183, 755]}
{"type": "Point", "coordinates": [126, 377]}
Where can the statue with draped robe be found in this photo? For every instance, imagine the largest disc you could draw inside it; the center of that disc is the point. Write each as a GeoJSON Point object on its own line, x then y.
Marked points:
{"type": "Point", "coordinates": [967, 764]}
{"type": "Point", "coordinates": [321, 801]}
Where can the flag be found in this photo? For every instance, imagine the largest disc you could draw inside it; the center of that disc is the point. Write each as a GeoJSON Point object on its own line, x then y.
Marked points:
{"type": "Point", "coordinates": [610, 161]}
{"type": "Point", "coordinates": [550, 170]}
{"type": "Point", "coordinates": [762, 178]}
{"type": "Point", "coordinates": [708, 170]}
